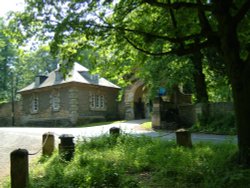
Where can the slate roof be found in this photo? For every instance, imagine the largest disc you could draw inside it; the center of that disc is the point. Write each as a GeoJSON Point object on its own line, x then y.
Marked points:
{"type": "Point", "coordinates": [79, 74]}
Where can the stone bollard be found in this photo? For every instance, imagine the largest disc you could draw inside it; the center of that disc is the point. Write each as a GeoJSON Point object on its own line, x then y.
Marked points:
{"type": "Point", "coordinates": [66, 147]}
{"type": "Point", "coordinates": [114, 131]}
{"type": "Point", "coordinates": [183, 138]}
{"type": "Point", "coordinates": [48, 144]}
{"type": "Point", "coordinates": [19, 168]}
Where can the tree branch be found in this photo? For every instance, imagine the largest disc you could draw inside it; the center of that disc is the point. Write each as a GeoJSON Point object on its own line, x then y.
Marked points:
{"type": "Point", "coordinates": [179, 5]}
{"type": "Point", "coordinates": [176, 40]}
{"type": "Point", "coordinates": [242, 12]}
{"type": "Point", "coordinates": [174, 22]}
{"type": "Point", "coordinates": [189, 49]}
{"type": "Point", "coordinates": [204, 23]}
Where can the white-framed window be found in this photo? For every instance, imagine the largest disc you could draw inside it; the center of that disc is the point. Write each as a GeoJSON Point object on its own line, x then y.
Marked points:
{"type": "Point", "coordinates": [35, 104]}
{"type": "Point", "coordinates": [97, 102]}
{"type": "Point", "coordinates": [92, 101]}
{"type": "Point", "coordinates": [102, 103]}
{"type": "Point", "coordinates": [55, 101]}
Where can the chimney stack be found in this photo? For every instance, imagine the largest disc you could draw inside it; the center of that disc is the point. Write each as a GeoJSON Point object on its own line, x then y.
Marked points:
{"type": "Point", "coordinates": [39, 80]}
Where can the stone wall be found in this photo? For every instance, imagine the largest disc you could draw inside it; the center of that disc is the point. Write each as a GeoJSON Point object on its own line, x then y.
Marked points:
{"type": "Point", "coordinates": [6, 114]}
{"type": "Point", "coordinates": [87, 114]}
{"type": "Point", "coordinates": [188, 113]}
{"type": "Point", "coordinates": [221, 107]}
{"type": "Point", "coordinates": [121, 109]}
{"type": "Point", "coordinates": [45, 116]}
{"type": "Point", "coordinates": [73, 104]}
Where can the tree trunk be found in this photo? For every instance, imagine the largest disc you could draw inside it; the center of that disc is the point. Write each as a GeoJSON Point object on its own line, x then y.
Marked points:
{"type": "Point", "coordinates": [239, 75]}
{"type": "Point", "coordinates": [241, 95]}
{"type": "Point", "coordinates": [199, 79]}
{"type": "Point", "coordinates": [200, 87]}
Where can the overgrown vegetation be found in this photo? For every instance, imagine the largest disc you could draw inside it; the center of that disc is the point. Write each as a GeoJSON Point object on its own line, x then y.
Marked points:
{"type": "Point", "coordinates": [141, 162]}
{"type": "Point", "coordinates": [216, 124]}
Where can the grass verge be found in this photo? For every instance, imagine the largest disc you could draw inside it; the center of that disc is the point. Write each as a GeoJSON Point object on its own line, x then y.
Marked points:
{"type": "Point", "coordinates": [141, 162]}
{"type": "Point", "coordinates": [100, 123]}
{"type": "Point", "coordinates": [147, 125]}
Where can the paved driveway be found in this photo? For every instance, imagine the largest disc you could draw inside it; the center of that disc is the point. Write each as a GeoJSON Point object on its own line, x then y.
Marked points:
{"type": "Point", "coordinates": [31, 138]}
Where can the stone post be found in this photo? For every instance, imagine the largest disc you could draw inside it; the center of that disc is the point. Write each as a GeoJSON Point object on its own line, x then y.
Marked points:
{"type": "Point", "coordinates": [156, 116]}
{"type": "Point", "coordinates": [114, 131]}
{"type": "Point", "coordinates": [183, 138]}
{"type": "Point", "coordinates": [19, 168]}
{"type": "Point", "coordinates": [66, 147]}
{"type": "Point", "coordinates": [48, 144]}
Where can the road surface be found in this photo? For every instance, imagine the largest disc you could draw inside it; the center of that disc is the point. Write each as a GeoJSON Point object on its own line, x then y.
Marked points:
{"type": "Point", "coordinates": [31, 138]}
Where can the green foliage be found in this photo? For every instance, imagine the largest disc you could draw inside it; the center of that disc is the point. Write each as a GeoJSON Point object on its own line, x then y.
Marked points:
{"type": "Point", "coordinates": [18, 67]}
{"type": "Point", "coordinates": [216, 124]}
{"type": "Point", "coordinates": [141, 162]}
{"type": "Point", "coordinates": [102, 34]}
{"type": "Point", "coordinates": [106, 35]}
{"type": "Point", "coordinates": [8, 57]}
{"type": "Point", "coordinates": [147, 125]}
{"type": "Point", "coordinates": [218, 85]}
{"type": "Point", "coordinates": [32, 64]}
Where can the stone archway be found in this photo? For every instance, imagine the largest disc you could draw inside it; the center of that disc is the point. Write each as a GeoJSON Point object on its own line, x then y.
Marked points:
{"type": "Point", "coordinates": [134, 105]}
{"type": "Point", "coordinates": [139, 103]}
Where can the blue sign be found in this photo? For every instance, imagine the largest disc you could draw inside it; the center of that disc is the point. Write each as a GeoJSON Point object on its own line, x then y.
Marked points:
{"type": "Point", "coordinates": [162, 91]}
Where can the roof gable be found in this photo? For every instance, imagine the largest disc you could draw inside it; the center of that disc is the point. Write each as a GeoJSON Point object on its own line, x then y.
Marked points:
{"type": "Point", "coordinates": [78, 74]}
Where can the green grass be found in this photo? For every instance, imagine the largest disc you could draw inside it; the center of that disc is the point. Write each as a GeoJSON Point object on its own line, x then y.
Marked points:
{"type": "Point", "coordinates": [100, 123]}
{"type": "Point", "coordinates": [147, 125]}
{"type": "Point", "coordinates": [141, 162]}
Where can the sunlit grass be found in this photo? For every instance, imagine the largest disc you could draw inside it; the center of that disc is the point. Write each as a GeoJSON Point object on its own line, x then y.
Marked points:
{"type": "Point", "coordinates": [147, 125]}
{"type": "Point", "coordinates": [100, 123]}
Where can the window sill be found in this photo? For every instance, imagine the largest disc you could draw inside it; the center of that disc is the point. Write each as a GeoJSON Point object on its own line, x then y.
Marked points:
{"type": "Point", "coordinates": [98, 109]}
{"type": "Point", "coordinates": [55, 110]}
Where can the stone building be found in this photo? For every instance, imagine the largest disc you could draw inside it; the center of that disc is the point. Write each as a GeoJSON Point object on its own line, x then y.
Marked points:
{"type": "Point", "coordinates": [80, 97]}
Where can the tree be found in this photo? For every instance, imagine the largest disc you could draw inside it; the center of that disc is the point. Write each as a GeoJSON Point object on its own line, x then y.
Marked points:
{"type": "Point", "coordinates": [223, 25]}
{"type": "Point", "coordinates": [8, 55]}
{"type": "Point", "coordinates": [19, 67]}
{"type": "Point", "coordinates": [33, 63]}
{"type": "Point", "coordinates": [218, 85]}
